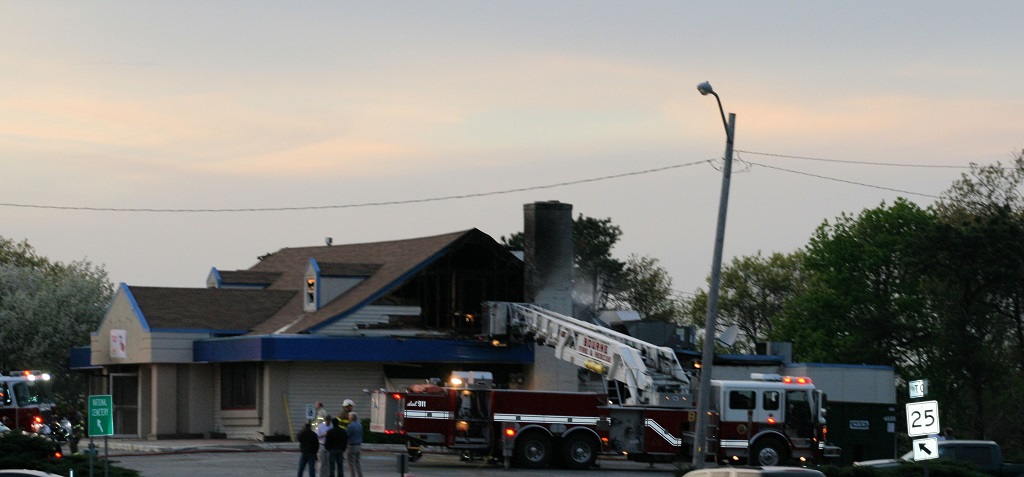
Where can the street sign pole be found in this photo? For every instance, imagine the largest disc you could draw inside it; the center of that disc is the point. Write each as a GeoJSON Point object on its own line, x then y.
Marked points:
{"type": "Point", "coordinates": [101, 423]}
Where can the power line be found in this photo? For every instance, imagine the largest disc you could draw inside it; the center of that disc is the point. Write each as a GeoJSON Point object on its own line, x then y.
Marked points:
{"type": "Point", "coordinates": [510, 191]}
{"type": "Point", "coordinates": [364, 204]}
{"type": "Point", "coordinates": [845, 181]}
{"type": "Point", "coordinates": [841, 161]}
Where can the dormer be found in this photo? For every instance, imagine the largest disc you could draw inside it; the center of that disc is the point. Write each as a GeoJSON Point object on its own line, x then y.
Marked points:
{"type": "Point", "coordinates": [324, 282]}
{"type": "Point", "coordinates": [240, 279]}
{"type": "Point", "coordinates": [311, 287]}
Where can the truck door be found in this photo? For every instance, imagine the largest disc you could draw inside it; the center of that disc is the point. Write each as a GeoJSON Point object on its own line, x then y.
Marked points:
{"type": "Point", "coordinates": [799, 416]}
{"type": "Point", "coordinates": [472, 416]}
{"type": "Point", "coordinates": [6, 406]}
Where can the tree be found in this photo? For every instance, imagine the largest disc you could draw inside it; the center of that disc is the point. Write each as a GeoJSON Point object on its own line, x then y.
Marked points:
{"type": "Point", "coordinates": [596, 271]}
{"type": "Point", "coordinates": [863, 302]}
{"type": "Point", "coordinates": [754, 291]}
{"type": "Point", "coordinates": [650, 290]}
{"type": "Point", "coordinates": [46, 308]}
{"type": "Point", "coordinates": [975, 352]}
{"type": "Point", "coordinates": [602, 280]}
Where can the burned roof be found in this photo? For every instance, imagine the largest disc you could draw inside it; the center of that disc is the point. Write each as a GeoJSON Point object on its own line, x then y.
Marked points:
{"type": "Point", "coordinates": [277, 304]}
{"type": "Point", "coordinates": [385, 265]}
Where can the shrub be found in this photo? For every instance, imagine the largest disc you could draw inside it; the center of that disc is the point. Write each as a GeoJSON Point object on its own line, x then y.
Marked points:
{"type": "Point", "coordinates": [20, 450]}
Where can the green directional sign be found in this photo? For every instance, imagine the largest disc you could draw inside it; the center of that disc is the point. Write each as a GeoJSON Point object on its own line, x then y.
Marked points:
{"type": "Point", "coordinates": [101, 415]}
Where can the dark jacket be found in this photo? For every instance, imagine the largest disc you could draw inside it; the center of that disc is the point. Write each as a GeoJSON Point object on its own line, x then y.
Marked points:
{"type": "Point", "coordinates": [308, 442]}
{"type": "Point", "coordinates": [336, 439]}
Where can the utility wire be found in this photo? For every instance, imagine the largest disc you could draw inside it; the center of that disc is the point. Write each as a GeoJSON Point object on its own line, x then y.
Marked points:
{"type": "Point", "coordinates": [510, 191]}
{"type": "Point", "coordinates": [364, 204]}
{"type": "Point", "coordinates": [845, 181]}
{"type": "Point", "coordinates": [869, 163]}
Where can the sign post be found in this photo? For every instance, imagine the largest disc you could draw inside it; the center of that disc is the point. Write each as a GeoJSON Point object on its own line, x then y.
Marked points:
{"type": "Point", "coordinates": [922, 418]}
{"type": "Point", "coordinates": [101, 423]}
{"type": "Point", "coordinates": [101, 415]}
{"type": "Point", "coordinates": [918, 388]}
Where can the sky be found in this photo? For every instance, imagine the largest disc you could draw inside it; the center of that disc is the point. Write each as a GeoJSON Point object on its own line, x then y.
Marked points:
{"type": "Point", "coordinates": [162, 139]}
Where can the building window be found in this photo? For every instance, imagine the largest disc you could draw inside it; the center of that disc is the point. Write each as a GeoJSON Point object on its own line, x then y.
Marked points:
{"type": "Point", "coordinates": [239, 385]}
{"type": "Point", "coordinates": [311, 291]}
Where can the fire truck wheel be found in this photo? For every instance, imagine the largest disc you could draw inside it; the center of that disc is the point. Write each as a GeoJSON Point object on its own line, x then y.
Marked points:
{"type": "Point", "coordinates": [533, 450]}
{"type": "Point", "coordinates": [579, 451]}
{"type": "Point", "coordinates": [768, 452]}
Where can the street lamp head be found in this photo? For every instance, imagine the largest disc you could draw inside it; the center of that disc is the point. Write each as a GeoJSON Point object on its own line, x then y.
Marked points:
{"type": "Point", "coordinates": [705, 88]}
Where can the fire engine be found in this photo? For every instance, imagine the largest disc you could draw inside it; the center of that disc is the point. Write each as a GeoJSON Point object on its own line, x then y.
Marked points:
{"type": "Point", "coordinates": [25, 401]}
{"type": "Point", "coordinates": [646, 412]}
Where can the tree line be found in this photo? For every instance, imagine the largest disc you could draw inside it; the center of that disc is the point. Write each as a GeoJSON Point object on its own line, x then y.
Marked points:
{"type": "Point", "coordinates": [935, 292]}
{"type": "Point", "coordinates": [47, 308]}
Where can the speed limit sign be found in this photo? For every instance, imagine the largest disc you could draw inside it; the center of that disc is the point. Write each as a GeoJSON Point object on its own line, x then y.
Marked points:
{"type": "Point", "coordinates": [922, 418]}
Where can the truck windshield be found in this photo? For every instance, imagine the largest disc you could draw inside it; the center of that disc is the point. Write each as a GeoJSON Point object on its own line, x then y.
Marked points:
{"type": "Point", "coordinates": [27, 394]}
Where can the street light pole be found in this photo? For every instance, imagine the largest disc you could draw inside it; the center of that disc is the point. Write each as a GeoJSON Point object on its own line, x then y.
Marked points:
{"type": "Point", "coordinates": [704, 392]}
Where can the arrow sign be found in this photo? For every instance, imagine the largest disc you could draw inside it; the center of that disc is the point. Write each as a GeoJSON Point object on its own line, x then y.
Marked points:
{"type": "Point", "coordinates": [101, 415]}
{"type": "Point", "coordinates": [925, 449]}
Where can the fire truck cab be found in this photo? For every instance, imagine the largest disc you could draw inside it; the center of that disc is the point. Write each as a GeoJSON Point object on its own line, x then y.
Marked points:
{"type": "Point", "coordinates": [25, 401]}
{"type": "Point", "coordinates": [771, 419]}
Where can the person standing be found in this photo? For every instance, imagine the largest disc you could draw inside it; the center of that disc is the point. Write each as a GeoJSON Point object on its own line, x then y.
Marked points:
{"type": "Point", "coordinates": [347, 406]}
{"type": "Point", "coordinates": [321, 414]}
{"type": "Point", "coordinates": [336, 442]}
{"type": "Point", "coordinates": [308, 445]}
{"type": "Point", "coordinates": [355, 445]}
{"type": "Point", "coordinates": [321, 435]}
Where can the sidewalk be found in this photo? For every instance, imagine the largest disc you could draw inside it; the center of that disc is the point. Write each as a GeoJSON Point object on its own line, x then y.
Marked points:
{"type": "Point", "coordinates": [178, 446]}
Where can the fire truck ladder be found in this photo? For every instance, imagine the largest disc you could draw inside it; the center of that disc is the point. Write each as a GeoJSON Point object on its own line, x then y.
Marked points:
{"type": "Point", "coordinates": [651, 375]}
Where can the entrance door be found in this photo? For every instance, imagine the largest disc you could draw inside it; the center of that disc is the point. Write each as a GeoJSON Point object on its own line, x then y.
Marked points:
{"type": "Point", "coordinates": [124, 389]}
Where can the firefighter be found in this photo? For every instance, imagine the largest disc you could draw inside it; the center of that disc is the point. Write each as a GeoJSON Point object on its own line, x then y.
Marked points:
{"type": "Point", "coordinates": [346, 408]}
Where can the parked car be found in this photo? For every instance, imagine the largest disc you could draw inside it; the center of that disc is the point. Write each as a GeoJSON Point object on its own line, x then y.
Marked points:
{"type": "Point", "coordinates": [25, 473]}
{"type": "Point", "coordinates": [984, 456]}
{"type": "Point", "coordinates": [754, 472]}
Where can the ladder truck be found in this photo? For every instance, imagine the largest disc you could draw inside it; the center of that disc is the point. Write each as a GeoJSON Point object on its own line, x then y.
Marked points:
{"type": "Point", "coordinates": [645, 414]}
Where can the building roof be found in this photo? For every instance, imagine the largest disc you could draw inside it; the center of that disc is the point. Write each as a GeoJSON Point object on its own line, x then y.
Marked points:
{"type": "Point", "coordinates": [209, 309]}
{"type": "Point", "coordinates": [274, 304]}
{"type": "Point", "coordinates": [390, 264]}
{"type": "Point", "coordinates": [246, 277]}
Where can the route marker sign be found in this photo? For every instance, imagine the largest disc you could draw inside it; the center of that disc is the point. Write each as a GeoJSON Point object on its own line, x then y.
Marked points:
{"type": "Point", "coordinates": [925, 449]}
{"type": "Point", "coordinates": [918, 388]}
{"type": "Point", "coordinates": [101, 415]}
{"type": "Point", "coordinates": [922, 418]}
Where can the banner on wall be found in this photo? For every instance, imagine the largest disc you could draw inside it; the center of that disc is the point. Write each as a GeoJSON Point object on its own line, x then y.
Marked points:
{"type": "Point", "coordinates": [118, 348]}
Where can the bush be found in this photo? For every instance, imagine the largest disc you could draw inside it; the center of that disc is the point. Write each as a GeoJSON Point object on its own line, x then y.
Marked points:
{"type": "Point", "coordinates": [20, 450]}
{"type": "Point", "coordinates": [936, 468]}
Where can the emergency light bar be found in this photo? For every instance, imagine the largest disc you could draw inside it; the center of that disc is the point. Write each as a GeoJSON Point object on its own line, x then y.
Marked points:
{"type": "Point", "coordinates": [780, 379]}
{"type": "Point", "coordinates": [31, 375]}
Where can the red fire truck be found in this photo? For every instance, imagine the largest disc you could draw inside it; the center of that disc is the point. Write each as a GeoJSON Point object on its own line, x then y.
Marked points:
{"type": "Point", "coordinates": [25, 401]}
{"type": "Point", "coordinates": [647, 415]}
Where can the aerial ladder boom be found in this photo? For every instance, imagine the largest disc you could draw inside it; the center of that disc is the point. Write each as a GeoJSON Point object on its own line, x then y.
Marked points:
{"type": "Point", "coordinates": [651, 374]}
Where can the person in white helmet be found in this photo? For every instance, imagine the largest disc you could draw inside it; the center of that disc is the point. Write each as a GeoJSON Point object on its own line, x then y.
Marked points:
{"type": "Point", "coordinates": [351, 453]}
{"type": "Point", "coordinates": [347, 406]}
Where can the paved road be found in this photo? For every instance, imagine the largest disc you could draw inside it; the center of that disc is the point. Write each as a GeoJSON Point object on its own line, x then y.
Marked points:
{"type": "Point", "coordinates": [285, 463]}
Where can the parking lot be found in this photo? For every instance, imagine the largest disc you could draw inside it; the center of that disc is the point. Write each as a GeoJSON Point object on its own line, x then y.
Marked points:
{"type": "Point", "coordinates": [375, 463]}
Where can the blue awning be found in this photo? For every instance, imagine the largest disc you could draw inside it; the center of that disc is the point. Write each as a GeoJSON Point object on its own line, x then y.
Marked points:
{"type": "Point", "coordinates": [356, 349]}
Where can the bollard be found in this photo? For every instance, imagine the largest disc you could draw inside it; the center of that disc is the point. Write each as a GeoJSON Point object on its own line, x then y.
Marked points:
{"type": "Point", "coordinates": [403, 464]}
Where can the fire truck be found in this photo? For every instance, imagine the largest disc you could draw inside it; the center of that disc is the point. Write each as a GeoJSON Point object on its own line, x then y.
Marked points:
{"type": "Point", "coordinates": [25, 401]}
{"type": "Point", "coordinates": [646, 412]}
